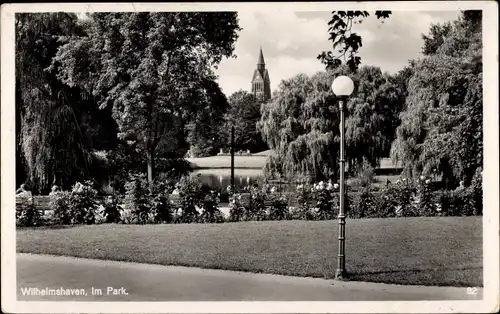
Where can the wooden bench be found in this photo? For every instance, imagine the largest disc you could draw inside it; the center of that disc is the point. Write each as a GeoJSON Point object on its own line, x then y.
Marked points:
{"type": "Point", "coordinates": [40, 202]}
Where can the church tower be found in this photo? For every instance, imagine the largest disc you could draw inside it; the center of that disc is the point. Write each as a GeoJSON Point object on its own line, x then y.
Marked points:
{"type": "Point", "coordinates": [261, 85]}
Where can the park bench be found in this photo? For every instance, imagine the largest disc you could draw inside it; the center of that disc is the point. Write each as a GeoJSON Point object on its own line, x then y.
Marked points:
{"type": "Point", "coordinates": [41, 202]}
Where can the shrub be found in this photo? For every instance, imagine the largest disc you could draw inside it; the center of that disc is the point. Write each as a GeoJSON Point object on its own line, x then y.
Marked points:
{"type": "Point", "coordinates": [462, 202]}
{"type": "Point", "coordinates": [83, 203]}
{"type": "Point", "coordinates": [366, 205]}
{"type": "Point", "coordinates": [256, 209]}
{"type": "Point", "coordinates": [326, 200]}
{"type": "Point", "coordinates": [112, 210]}
{"type": "Point", "coordinates": [211, 212]}
{"type": "Point", "coordinates": [476, 190]}
{"type": "Point", "coordinates": [136, 202]}
{"type": "Point", "coordinates": [60, 202]}
{"type": "Point", "coordinates": [27, 215]}
{"type": "Point", "coordinates": [387, 203]}
{"type": "Point", "coordinates": [425, 202]}
{"type": "Point", "coordinates": [304, 198]}
{"type": "Point", "coordinates": [161, 207]}
{"type": "Point", "coordinates": [365, 175]}
{"type": "Point", "coordinates": [237, 210]}
{"type": "Point", "coordinates": [192, 194]}
{"type": "Point", "coordinates": [75, 207]}
{"type": "Point", "coordinates": [279, 208]}
{"type": "Point", "coordinates": [403, 193]}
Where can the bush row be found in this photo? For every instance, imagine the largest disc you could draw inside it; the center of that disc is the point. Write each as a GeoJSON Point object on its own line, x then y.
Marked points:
{"type": "Point", "coordinates": [195, 203]}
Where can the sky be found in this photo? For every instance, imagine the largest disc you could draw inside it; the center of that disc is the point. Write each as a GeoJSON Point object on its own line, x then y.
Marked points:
{"type": "Point", "coordinates": [291, 41]}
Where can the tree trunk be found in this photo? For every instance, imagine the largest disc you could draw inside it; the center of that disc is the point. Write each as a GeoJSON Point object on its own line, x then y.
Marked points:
{"type": "Point", "coordinates": [151, 166]}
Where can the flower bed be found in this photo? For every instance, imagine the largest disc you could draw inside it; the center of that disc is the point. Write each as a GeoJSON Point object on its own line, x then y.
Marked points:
{"type": "Point", "coordinates": [189, 201]}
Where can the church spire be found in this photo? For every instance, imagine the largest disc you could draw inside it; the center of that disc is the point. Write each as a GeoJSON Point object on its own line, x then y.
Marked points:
{"type": "Point", "coordinates": [261, 58]}
{"type": "Point", "coordinates": [261, 85]}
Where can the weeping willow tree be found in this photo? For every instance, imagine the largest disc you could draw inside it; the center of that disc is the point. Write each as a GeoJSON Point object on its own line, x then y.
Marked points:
{"type": "Point", "coordinates": [372, 117]}
{"type": "Point", "coordinates": [298, 125]}
{"type": "Point", "coordinates": [441, 127]}
{"type": "Point", "coordinates": [301, 124]}
{"type": "Point", "coordinates": [55, 129]}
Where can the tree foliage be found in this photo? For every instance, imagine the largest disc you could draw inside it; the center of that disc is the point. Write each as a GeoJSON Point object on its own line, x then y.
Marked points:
{"type": "Point", "coordinates": [301, 123]}
{"type": "Point", "coordinates": [372, 117]}
{"type": "Point", "coordinates": [441, 127]}
{"type": "Point", "coordinates": [244, 114]}
{"type": "Point", "coordinates": [58, 126]}
{"type": "Point", "coordinates": [203, 130]}
{"type": "Point", "coordinates": [346, 43]}
{"type": "Point", "coordinates": [153, 68]}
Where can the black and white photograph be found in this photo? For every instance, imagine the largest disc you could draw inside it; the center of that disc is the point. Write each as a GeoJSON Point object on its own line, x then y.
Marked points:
{"type": "Point", "coordinates": [250, 157]}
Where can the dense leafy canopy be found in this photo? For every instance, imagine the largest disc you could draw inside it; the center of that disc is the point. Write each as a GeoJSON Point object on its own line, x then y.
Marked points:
{"type": "Point", "coordinates": [244, 114]}
{"type": "Point", "coordinates": [441, 128]}
{"type": "Point", "coordinates": [115, 92]}
{"type": "Point", "coordinates": [58, 126]}
{"type": "Point", "coordinates": [301, 123]}
{"type": "Point", "coordinates": [154, 68]}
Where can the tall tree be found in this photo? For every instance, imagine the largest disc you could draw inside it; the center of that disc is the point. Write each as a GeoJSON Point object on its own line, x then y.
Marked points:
{"type": "Point", "coordinates": [148, 66]}
{"type": "Point", "coordinates": [298, 125]}
{"type": "Point", "coordinates": [301, 123]}
{"type": "Point", "coordinates": [204, 134]}
{"type": "Point", "coordinates": [57, 124]}
{"type": "Point", "coordinates": [345, 42]}
{"type": "Point", "coordinates": [372, 117]}
{"type": "Point", "coordinates": [441, 127]}
{"type": "Point", "coordinates": [437, 35]}
{"type": "Point", "coordinates": [244, 114]}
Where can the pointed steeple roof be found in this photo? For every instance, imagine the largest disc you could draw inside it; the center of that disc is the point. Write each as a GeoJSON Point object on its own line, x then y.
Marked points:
{"type": "Point", "coordinates": [261, 58]}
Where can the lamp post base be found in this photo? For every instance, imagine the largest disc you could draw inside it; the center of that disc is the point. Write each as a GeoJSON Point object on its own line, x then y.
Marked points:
{"type": "Point", "coordinates": [340, 274]}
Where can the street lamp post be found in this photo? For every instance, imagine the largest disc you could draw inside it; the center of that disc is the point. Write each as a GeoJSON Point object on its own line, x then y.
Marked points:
{"type": "Point", "coordinates": [232, 159]}
{"type": "Point", "coordinates": [342, 87]}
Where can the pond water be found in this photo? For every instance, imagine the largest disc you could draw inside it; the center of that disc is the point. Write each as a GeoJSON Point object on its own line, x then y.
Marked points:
{"type": "Point", "coordinates": [219, 179]}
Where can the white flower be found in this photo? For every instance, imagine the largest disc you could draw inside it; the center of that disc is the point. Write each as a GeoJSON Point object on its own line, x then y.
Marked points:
{"type": "Point", "coordinates": [399, 209]}
{"type": "Point", "coordinates": [78, 187]}
{"type": "Point", "coordinates": [427, 181]}
{"type": "Point", "coordinates": [320, 186]}
{"type": "Point", "coordinates": [300, 187]}
{"type": "Point", "coordinates": [422, 178]}
{"type": "Point", "coordinates": [175, 192]}
{"type": "Point", "coordinates": [273, 189]}
{"type": "Point", "coordinates": [404, 179]}
{"type": "Point", "coordinates": [329, 186]}
{"type": "Point", "coordinates": [335, 186]}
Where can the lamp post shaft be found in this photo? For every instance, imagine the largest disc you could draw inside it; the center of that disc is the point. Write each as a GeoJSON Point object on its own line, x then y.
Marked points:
{"type": "Point", "coordinates": [341, 272]}
{"type": "Point", "coordinates": [232, 159]}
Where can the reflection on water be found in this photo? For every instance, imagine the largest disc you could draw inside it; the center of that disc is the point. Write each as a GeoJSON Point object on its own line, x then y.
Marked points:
{"type": "Point", "coordinates": [220, 179]}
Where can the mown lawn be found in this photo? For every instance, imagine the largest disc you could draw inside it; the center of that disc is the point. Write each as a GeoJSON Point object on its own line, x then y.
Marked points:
{"type": "Point", "coordinates": [425, 251]}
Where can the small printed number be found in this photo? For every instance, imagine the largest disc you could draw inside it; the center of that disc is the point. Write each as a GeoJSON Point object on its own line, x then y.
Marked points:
{"type": "Point", "coordinates": [472, 290]}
